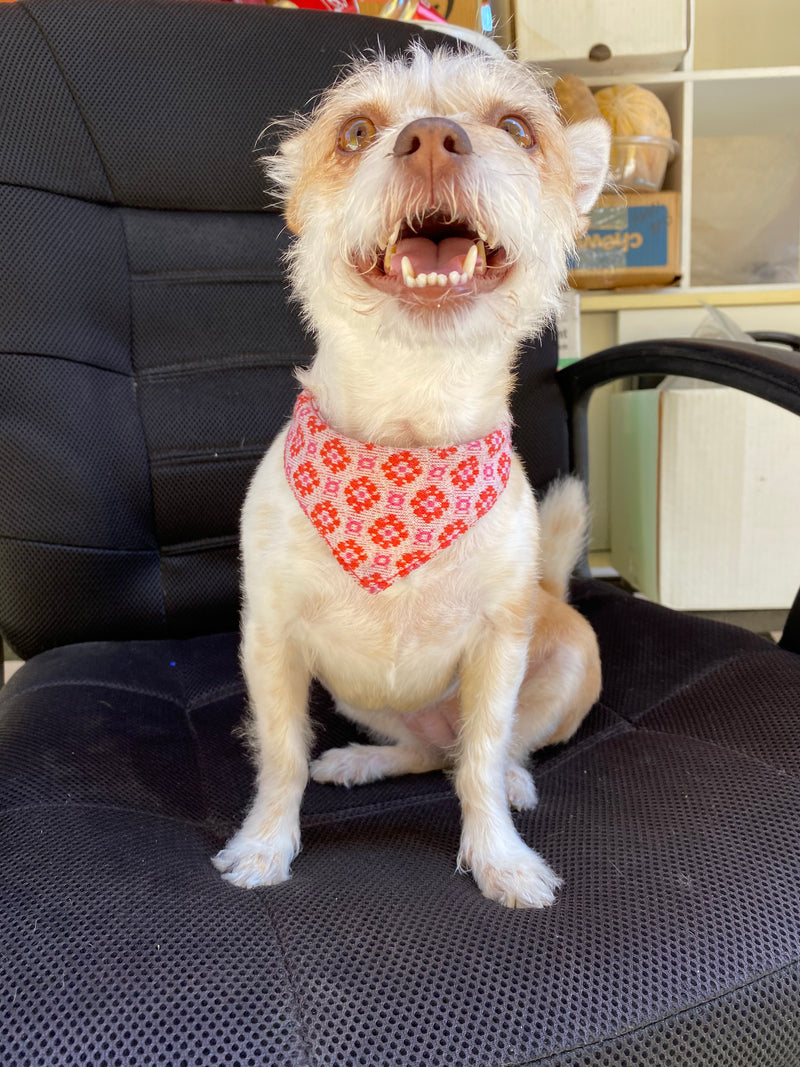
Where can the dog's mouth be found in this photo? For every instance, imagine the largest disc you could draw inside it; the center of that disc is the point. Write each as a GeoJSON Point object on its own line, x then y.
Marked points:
{"type": "Point", "coordinates": [425, 260]}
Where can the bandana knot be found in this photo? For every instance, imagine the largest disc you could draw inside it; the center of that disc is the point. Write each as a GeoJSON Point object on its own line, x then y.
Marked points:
{"type": "Point", "coordinates": [385, 511]}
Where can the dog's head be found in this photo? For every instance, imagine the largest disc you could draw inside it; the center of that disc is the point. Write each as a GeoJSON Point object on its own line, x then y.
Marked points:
{"type": "Point", "coordinates": [438, 189]}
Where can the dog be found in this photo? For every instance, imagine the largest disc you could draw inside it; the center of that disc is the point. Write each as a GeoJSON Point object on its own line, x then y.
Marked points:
{"type": "Point", "coordinates": [392, 546]}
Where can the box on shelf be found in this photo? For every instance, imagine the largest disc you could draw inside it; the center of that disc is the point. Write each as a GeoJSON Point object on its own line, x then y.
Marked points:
{"type": "Point", "coordinates": [705, 498]}
{"type": "Point", "coordinates": [632, 240]}
{"type": "Point", "coordinates": [615, 37]}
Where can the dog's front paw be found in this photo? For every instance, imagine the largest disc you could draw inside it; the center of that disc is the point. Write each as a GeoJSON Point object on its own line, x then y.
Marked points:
{"type": "Point", "coordinates": [353, 765]}
{"type": "Point", "coordinates": [247, 863]}
{"type": "Point", "coordinates": [520, 788]}
{"type": "Point", "coordinates": [520, 880]}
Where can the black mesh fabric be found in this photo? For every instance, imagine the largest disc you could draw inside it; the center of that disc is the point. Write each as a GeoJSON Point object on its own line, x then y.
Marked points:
{"type": "Point", "coordinates": [674, 940]}
{"type": "Point", "coordinates": [146, 353]}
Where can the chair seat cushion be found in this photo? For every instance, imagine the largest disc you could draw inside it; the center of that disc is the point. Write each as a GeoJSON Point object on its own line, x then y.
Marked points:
{"type": "Point", "coordinates": [673, 817]}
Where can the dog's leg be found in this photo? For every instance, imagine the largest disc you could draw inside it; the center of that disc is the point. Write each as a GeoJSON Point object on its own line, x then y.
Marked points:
{"type": "Point", "coordinates": [561, 684]}
{"type": "Point", "coordinates": [505, 869]}
{"type": "Point", "coordinates": [357, 764]}
{"type": "Point", "coordinates": [269, 838]}
{"type": "Point", "coordinates": [562, 681]}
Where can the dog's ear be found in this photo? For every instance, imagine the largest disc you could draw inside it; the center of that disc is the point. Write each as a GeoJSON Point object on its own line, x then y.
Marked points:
{"type": "Point", "coordinates": [283, 169]}
{"type": "Point", "coordinates": [590, 146]}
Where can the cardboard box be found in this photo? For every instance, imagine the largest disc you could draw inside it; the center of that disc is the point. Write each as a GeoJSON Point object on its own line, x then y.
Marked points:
{"type": "Point", "coordinates": [632, 240]}
{"type": "Point", "coordinates": [620, 36]}
{"type": "Point", "coordinates": [705, 498]}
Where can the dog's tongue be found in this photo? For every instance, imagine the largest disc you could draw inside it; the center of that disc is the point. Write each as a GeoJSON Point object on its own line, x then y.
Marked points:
{"type": "Point", "coordinates": [428, 257]}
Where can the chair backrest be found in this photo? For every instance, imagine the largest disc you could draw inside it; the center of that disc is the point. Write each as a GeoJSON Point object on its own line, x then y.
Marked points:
{"type": "Point", "coordinates": [146, 346]}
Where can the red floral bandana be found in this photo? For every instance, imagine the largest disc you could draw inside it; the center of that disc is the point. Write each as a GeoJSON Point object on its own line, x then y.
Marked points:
{"type": "Point", "coordinates": [385, 511]}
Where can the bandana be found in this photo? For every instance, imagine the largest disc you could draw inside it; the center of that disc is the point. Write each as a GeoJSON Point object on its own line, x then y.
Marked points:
{"type": "Point", "coordinates": [385, 511]}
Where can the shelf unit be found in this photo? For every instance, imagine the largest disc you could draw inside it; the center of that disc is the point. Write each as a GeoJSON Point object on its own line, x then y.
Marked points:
{"type": "Point", "coordinates": [703, 104]}
{"type": "Point", "coordinates": [743, 118]}
{"type": "Point", "coordinates": [716, 106]}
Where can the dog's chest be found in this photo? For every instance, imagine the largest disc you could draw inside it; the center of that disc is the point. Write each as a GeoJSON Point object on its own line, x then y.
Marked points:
{"type": "Point", "coordinates": [397, 649]}
{"type": "Point", "coordinates": [401, 647]}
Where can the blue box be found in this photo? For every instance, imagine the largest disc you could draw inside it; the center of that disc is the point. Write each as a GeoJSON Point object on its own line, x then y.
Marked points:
{"type": "Point", "coordinates": [630, 241]}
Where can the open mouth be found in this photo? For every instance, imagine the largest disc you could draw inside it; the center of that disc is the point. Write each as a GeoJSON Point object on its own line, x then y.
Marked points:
{"type": "Point", "coordinates": [428, 258]}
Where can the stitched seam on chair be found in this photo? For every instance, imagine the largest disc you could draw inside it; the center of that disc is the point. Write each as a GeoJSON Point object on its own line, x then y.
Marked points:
{"type": "Point", "coordinates": [68, 359]}
{"type": "Point", "coordinates": [702, 676]}
{"type": "Point", "coordinates": [56, 192]}
{"type": "Point", "coordinates": [81, 548]}
{"type": "Point", "coordinates": [231, 457]}
{"type": "Point", "coordinates": [720, 747]}
{"type": "Point", "coordinates": [666, 1017]}
{"type": "Point", "coordinates": [122, 221]}
{"type": "Point", "coordinates": [68, 87]}
{"type": "Point", "coordinates": [615, 730]}
{"type": "Point", "coordinates": [214, 829]}
{"type": "Point", "coordinates": [203, 544]}
{"type": "Point", "coordinates": [198, 276]}
{"type": "Point", "coordinates": [302, 1035]}
{"type": "Point", "coordinates": [261, 360]}
{"type": "Point", "coordinates": [223, 693]}
{"type": "Point", "coordinates": [120, 809]}
{"type": "Point", "coordinates": [87, 684]}
{"type": "Point", "coordinates": [312, 822]}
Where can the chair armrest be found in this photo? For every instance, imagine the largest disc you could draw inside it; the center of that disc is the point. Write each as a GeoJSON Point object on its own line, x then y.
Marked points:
{"type": "Point", "coordinates": [768, 373]}
{"type": "Point", "coordinates": [773, 337]}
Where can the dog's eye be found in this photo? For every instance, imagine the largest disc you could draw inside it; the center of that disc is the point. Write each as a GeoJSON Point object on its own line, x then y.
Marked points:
{"type": "Point", "coordinates": [518, 129]}
{"type": "Point", "coordinates": [356, 134]}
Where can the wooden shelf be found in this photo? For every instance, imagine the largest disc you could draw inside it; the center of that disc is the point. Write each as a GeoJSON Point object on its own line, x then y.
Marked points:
{"type": "Point", "coordinates": [675, 297]}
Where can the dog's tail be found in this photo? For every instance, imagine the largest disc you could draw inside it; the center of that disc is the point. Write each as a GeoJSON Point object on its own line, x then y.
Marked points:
{"type": "Point", "coordinates": [564, 520]}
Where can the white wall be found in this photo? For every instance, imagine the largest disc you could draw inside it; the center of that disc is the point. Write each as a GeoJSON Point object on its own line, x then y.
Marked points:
{"type": "Point", "coordinates": [746, 33]}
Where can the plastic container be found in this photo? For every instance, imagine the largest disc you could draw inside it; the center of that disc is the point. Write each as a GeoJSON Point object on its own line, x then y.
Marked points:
{"type": "Point", "coordinates": [640, 163]}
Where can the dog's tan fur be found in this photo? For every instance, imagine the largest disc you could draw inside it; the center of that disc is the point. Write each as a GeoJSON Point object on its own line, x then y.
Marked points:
{"type": "Point", "coordinates": [474, 659]}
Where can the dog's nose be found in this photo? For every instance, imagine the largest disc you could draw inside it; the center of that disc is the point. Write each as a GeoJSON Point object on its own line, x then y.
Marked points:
{"type": "Point", "coordinates": [432, 143]}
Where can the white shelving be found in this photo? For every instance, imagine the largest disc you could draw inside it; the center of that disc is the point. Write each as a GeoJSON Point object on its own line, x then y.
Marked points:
{"type": "Point", "coordinates": [738, 171]}
{"type": "Point", "coordinates": [749, 121]}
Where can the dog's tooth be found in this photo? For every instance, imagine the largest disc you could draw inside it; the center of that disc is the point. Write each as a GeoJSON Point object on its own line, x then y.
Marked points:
{"type": "Point", "coordinates": [481, 254]}
{"type": "Point", "coordinates": [408, 273]}
{"type": "Point", "coordinates": [422, 281]}
{"type": "Point", "coordinates": [395, 235]}
{"type": "Point", "coordinates": [441, 279]}
{"type": "Point", "coordinates": [433, 278]}
{"type": "Point", "coordinates": [464, 279]}
{"type": "Point", "coordinates": [387, 259]}
{"type": "Point", "coordinates": [454, 277]}
{"type": "Point", "coordinates": [470, 260]}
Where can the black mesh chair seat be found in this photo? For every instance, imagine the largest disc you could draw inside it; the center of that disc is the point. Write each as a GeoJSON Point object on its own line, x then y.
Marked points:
{"type": "Point", "coordinates": [146, 352]}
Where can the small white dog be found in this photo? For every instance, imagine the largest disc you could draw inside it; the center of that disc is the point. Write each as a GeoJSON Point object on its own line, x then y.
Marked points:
{"type": "Point", "coordinates": [391, 542]}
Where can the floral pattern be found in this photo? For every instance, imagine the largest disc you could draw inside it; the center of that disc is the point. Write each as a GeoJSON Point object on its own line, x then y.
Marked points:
{"type": "Point", "coordinates": [350, 554]}
{"type": "Point", "coordinates": [452, 532]}
{"type": "Point", "coordinates": [325, 516]}
{"type": "Point", "coordinates": [334, 455]}
{"type": "Point", "coordinates": [388, 532]}
{"type": "Point", "coordinates": [305, 479]}
{"type": "Point", "coordinates": [466, 473]}
{"type": "Point", "coordinates": [429, 503]}
{"type": "Point", "coordinates": [402, 468]}
{"type": "Point", "coordinates": [402, 507]}
{"type": "Point", "coordinates": [361, 494]}
{"type": "Point", "coordinates": [486, 500]}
